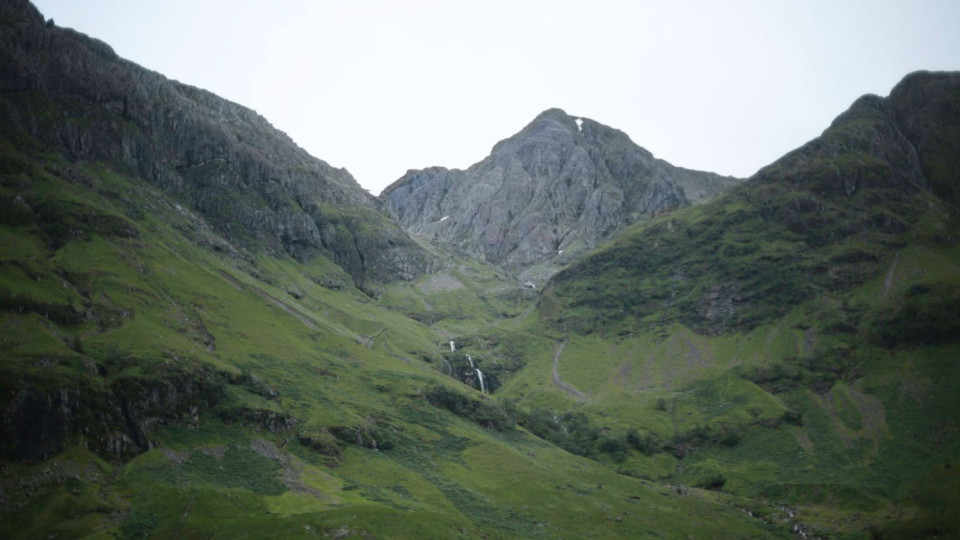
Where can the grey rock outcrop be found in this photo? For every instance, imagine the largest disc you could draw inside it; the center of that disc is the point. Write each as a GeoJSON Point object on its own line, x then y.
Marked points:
{"type": "Point", "coordinates": [561, 184]}
{"type": "Point", "coordinates": [71, 95]}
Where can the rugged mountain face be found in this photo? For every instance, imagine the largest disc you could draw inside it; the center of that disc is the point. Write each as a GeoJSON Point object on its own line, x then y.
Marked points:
{"type": "Point", "coordinates": [71, 95]}
{"type": "Point", "coordinates": [167, 370]}
{"type": "Point", "coordinates": [812, 312]}
{"type": "Point", "coordinates": [927, 112]}
{"type": "Point", "coordinates": [818, 219]}
{"type": "Point", "coordinates": [561, 184]}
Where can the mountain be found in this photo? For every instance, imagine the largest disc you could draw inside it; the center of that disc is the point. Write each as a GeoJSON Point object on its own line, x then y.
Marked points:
{"type": "Point", "coordinates": [561, 185]}
{"type": "Point", "coordinates": [181, 357]}
{"type": "Point", "coordinates": [929, 116]}
{"type": "Point", "coordinates": [186, 349]}
{"type": "Point", "coordinates": [796, 336]}
{"type": "Point", "coordinates": [70, 94]}
{"type": "Point", "coordinates": [824, 218]}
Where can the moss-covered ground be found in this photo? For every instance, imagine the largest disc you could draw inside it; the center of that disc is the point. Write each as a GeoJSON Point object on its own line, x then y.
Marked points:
{"type": "Point", "coordinates": [718, 372]}
{"type": "Point", "coordinates": [313, 414]}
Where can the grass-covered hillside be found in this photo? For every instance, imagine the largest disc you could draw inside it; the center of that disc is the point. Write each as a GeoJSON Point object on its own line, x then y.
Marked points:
{"type": "Point", "coordinates": [157, 381]}
{"type": "Point", "coordinates": [207, 333]}
{"type": "Point", "coordinates": [795, 340]}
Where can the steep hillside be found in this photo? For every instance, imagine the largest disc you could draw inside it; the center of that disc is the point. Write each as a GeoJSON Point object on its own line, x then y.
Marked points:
{"type": "Point", "coordinates": [205, 332]}
{"type": "Point", "coordinates": [560, 185]}
{"type": "Point", "coordinates": [66, 94]}
{"type": "Point", "coordinates": [817, 220]}
{"type": "Point", "coordinates": [153, 387]}
{"type": "Point", "coordinates": [181, 356]}
{"type": "Point", "coordinates": [794, 339]}
{"type": "Point", "coordinates": [928, 113]}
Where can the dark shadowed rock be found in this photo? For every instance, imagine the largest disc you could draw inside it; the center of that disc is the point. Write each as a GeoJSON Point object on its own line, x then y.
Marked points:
{"type": "Point", "coordinates": [928, 113]}
{"type": "Point", "coordinates": [65, 93]}
{"type": "Point", "coordinates": [40, 420]}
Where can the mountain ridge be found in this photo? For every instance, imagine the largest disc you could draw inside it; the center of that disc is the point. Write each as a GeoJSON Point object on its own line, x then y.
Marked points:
{"type": "Point", "coordinates": [561, 184]}
{"type": "Point", "coordinates": [197, 146]}
{"type": "Point", "coordinates": [854, 183]}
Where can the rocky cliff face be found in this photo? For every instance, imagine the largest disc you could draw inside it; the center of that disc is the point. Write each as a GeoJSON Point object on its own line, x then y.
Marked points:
{"type": "Point", "coordinates": [114, 421]}
{"type": "Point", "coordinates": [63, 92]}
{"type": "Point", "coordinates": [561, 184]}
{"type": "Point", "coordinates": [927, 112]}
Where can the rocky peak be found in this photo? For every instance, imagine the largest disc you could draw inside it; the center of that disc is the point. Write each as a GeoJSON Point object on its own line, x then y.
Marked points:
{"type": "Point", "coordinates": [560, 185]}
{"type": "Point", "coordinates": [928, 113]}
{"type": "Point", "coordinates": [551, 126]}
{"type": "Point", "coordinates": [865, 107]}
{"type": "Point", "coordinates": [20, 11]}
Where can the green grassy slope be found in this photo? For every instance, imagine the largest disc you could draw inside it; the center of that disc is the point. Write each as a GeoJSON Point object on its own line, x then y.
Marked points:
{"type": "Point", "coordinates": [794, 341]}
{"type": "Point", "coordinates": [779, 362]}
{"type": "Point", "coordinates": [157, 381]}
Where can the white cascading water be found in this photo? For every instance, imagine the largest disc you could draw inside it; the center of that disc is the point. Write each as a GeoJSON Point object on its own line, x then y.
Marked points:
{"type": "Point", "coordinates": [471, 362]}
{"type": "Point", "coordinates": [453, 347]}
{"type": "Point", "coordinates": [449, 367]}
{"type": "Point", "coordinates": [483, 384]}
{"type": "Point", "coordinates": [556, 420]}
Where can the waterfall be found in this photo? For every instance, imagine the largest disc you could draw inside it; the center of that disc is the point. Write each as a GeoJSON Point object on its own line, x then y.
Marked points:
{"type": "Point", "coordinates": [483, 385]}
{"type": "Point", "coordinates": [471, 362]}
{"type": "Point", "coordinates": [453, 347]}
{"type": "Point", "coordinates": [449, 367]}
{"type": "Point", "coordinates": [556, 420]}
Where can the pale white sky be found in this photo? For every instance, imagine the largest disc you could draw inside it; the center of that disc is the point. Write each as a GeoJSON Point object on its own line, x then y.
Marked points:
{"type": "Point", "coordinates": [381, 86]}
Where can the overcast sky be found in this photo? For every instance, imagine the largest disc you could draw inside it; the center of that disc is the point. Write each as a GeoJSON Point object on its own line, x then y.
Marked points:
{"type": "Point", "coordinates": [383, 86]}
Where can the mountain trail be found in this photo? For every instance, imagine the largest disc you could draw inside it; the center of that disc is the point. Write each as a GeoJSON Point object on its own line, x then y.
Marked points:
{"type": "Point", "coordinates": [889, 281]}
{"type": "Point", "coordinates": [556, 374]}
{"type": "Point", "coordinates": [307, 321]}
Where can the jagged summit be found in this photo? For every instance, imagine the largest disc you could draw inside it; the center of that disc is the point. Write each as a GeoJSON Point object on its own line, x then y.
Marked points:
{"type": "Point", "coordinates": [553, 112]}
{"type": "Point", "coordinates": [926, 113]}
{"type": "Point", "coordinates": [19, 11]}
{"type": "Point", "coordinates": [561, 184]}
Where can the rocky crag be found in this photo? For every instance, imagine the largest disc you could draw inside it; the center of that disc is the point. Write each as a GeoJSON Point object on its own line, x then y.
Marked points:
{"type": "Point", "coordinates": [65, 93]}
{"type": "Point", "coordinates": [560, 185]}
